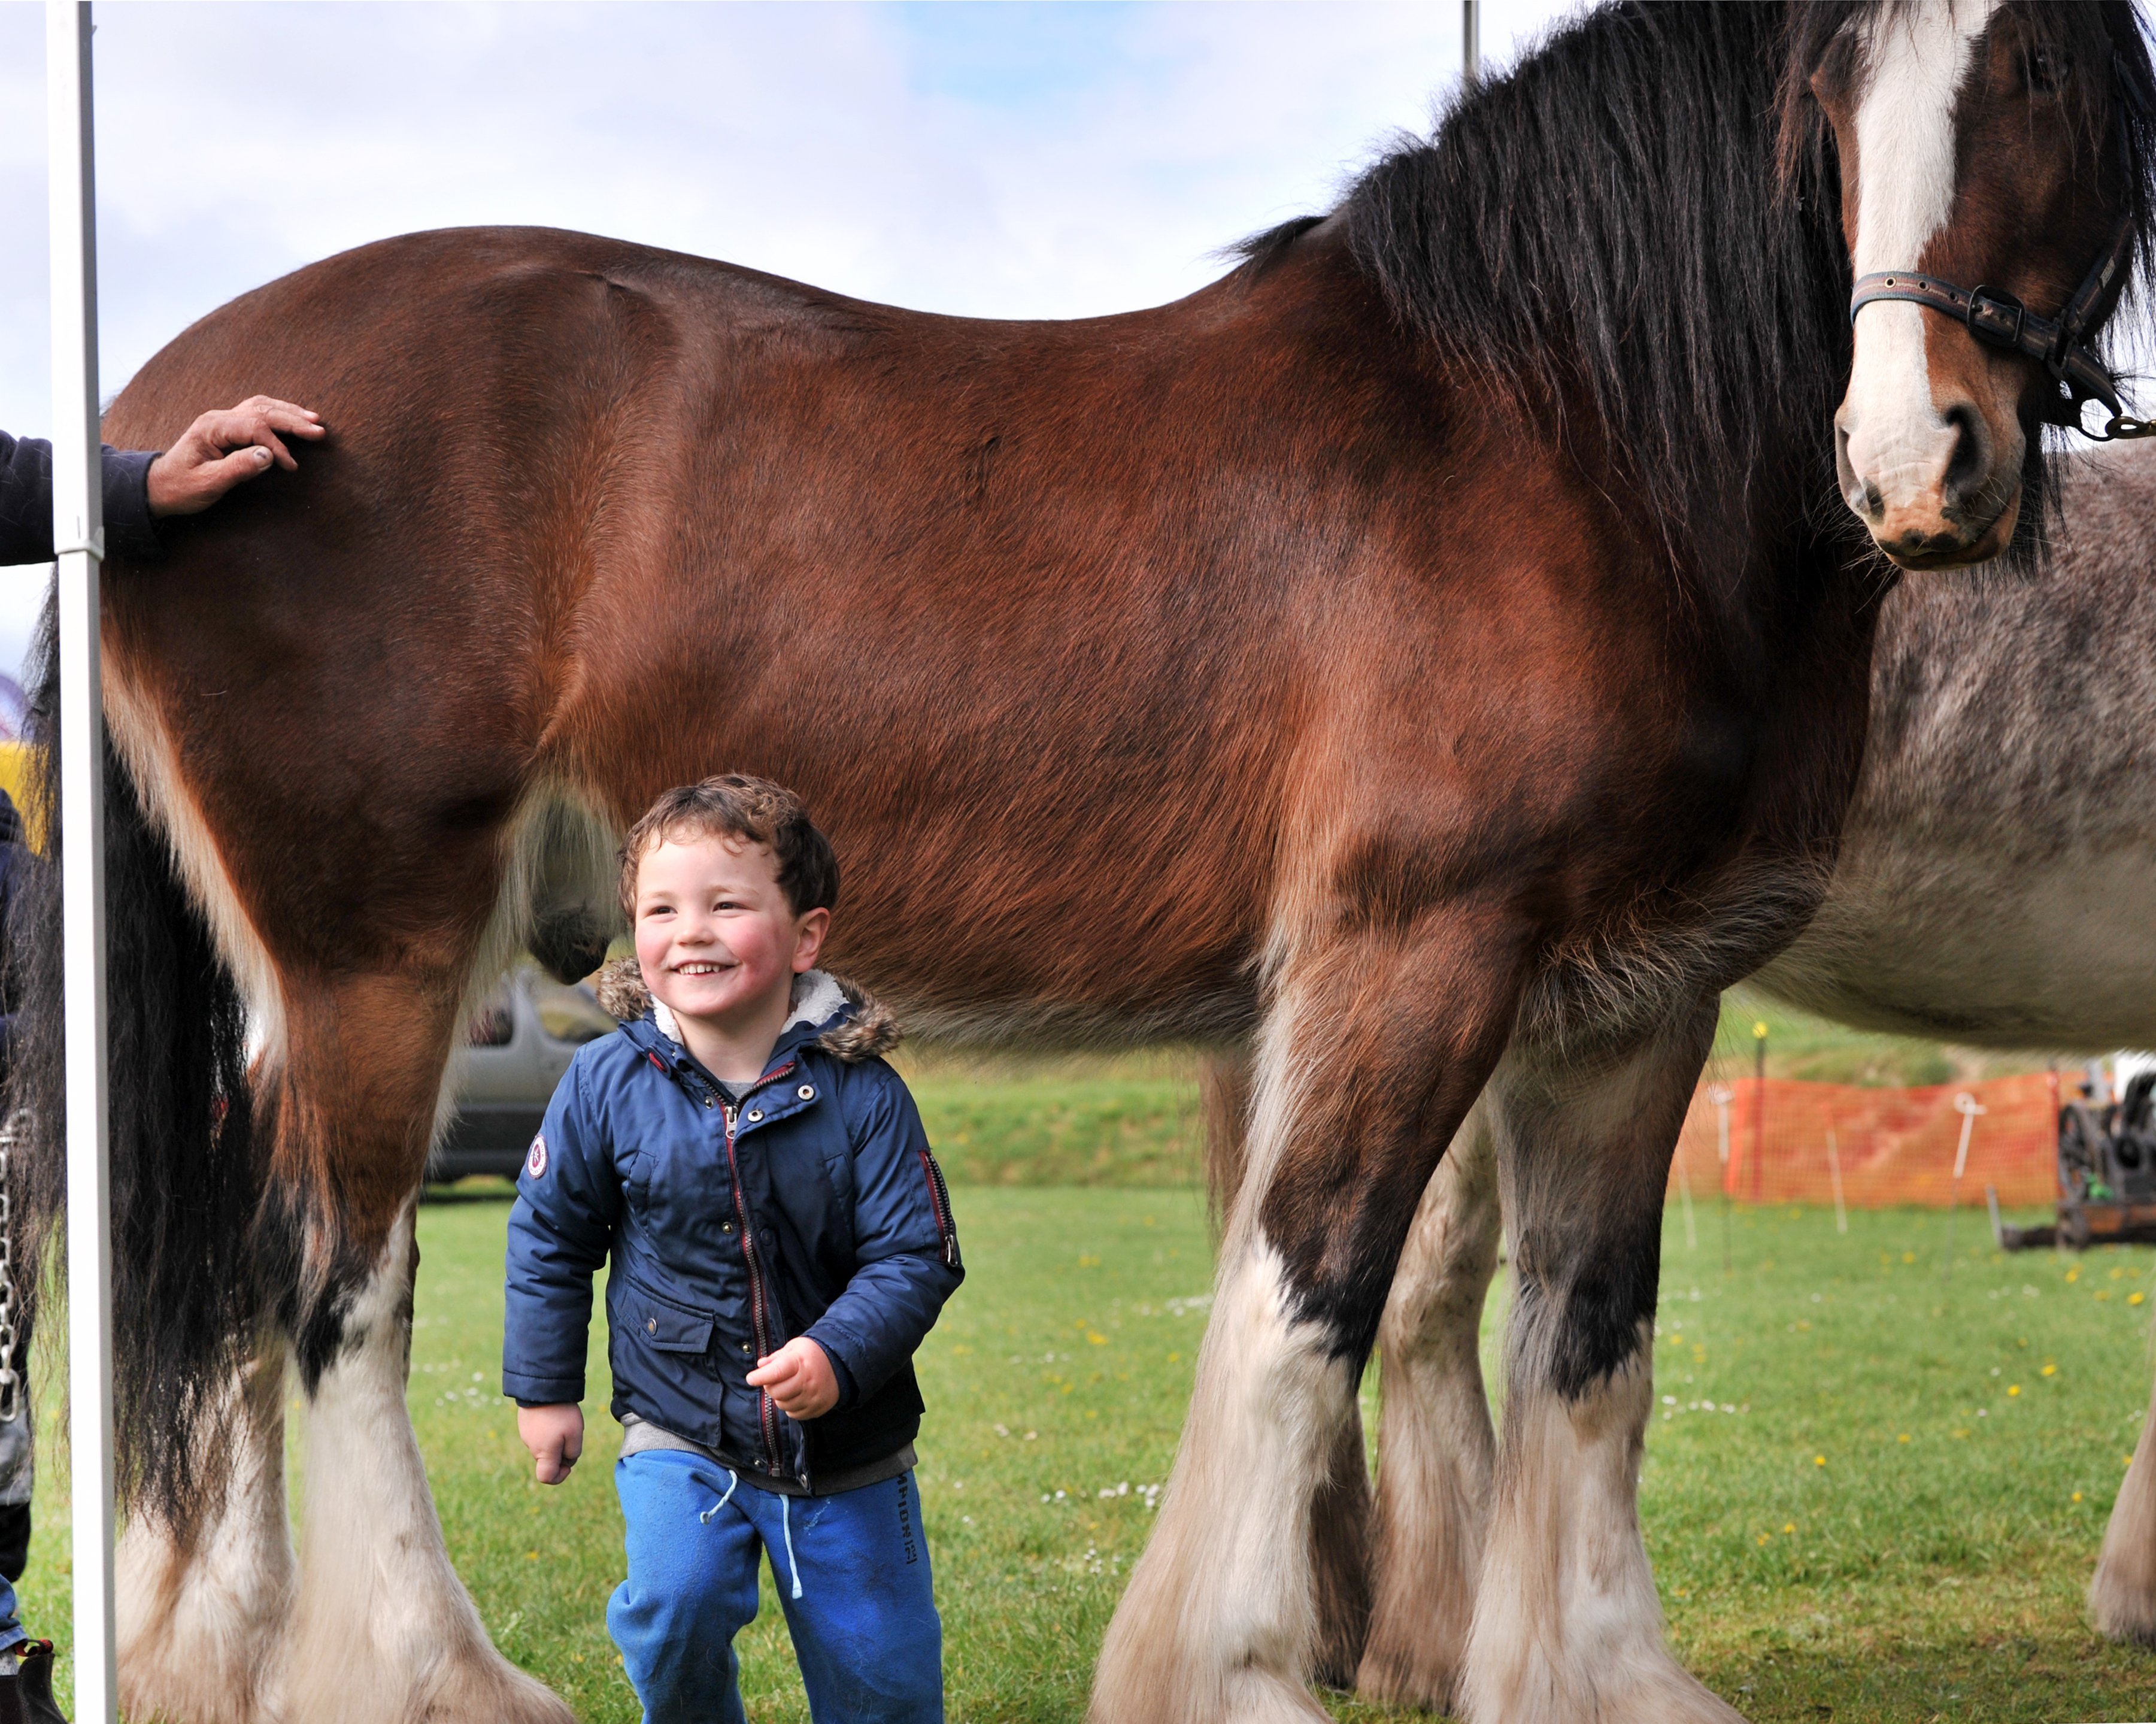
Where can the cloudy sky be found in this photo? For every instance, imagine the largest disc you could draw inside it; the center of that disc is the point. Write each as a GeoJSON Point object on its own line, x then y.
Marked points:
{"type": "Point", "coordinates": [997, 160]}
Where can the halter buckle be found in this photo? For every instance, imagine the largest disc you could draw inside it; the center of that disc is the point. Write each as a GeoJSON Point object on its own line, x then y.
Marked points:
{"type": "Point", "coordinates": [1995, 318]}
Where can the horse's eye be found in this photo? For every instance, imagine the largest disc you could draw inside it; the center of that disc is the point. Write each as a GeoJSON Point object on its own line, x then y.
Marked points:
{"type": "Point", "coordinates": [2044, 71]}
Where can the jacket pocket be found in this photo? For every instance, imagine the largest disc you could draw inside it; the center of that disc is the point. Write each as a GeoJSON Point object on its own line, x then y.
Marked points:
{"type": "Point", "coordinates": [667, 1328]}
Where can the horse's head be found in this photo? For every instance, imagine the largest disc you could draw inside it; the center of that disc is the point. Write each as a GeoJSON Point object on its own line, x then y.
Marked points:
{"type": "Point", "coordinates": [1992, 169]}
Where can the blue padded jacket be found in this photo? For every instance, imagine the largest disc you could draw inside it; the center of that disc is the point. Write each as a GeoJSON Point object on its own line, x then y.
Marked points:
{"type": "Point", "coordinates": [811, 1208]}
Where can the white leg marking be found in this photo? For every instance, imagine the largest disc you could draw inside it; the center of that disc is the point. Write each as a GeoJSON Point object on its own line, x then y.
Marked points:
{"type": "Point", "coordinates": [384, 1632]}
{"type": "Point", "coordinates": [1568, 1628]}
{"type": "Point", "coordinates": [200, 1629]}
{"type": "Point", "coordinates": [1217, 1623]}
{"type": "Point", "coordinates": [2122, 1596]}
{"type": "Point", "coordinates": [1436, 1452]}
{"type": "Point", "coordinates": [1899, 445]}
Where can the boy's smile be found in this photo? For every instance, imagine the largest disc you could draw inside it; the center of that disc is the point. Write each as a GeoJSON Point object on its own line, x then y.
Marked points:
{"type": "Point", "coordinates": [719, 946]}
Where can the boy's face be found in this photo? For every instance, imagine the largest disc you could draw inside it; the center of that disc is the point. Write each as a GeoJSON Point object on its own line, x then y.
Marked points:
{"type": "Point", "coordinates": [715, 939]}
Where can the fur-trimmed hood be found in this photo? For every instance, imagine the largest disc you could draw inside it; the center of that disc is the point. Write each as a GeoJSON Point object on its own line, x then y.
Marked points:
{"type": "Point", "coordinates": [867, 1031]}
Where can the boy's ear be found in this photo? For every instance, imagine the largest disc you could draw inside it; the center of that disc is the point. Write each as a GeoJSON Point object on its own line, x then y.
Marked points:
{"type": "Point", "coordinates": [815, 926]}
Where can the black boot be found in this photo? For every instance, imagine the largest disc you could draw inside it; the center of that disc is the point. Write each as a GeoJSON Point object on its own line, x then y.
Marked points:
{"type": "Point", "coordinates": [32, 1683]}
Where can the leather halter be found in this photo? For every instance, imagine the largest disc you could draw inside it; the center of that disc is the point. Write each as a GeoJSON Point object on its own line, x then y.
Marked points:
{"type": "Point", "coordinates": [2060, 344]}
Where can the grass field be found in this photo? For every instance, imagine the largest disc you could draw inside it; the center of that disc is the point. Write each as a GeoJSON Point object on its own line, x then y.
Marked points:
{"type": "Point", "coordinates": [1866, 1495]}
{"type": "Point", "coordinates": [1897, 1520]}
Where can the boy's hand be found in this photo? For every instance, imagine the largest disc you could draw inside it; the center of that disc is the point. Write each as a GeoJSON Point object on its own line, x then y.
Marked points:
{"type": "Point", "coordinates": [799, 1378]}
{"type": "Point", "coordinates": [555, 1436]}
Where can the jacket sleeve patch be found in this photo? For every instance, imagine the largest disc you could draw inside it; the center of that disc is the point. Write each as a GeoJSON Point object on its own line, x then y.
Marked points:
{"type": "Point", "coordinates": [535, 1159]}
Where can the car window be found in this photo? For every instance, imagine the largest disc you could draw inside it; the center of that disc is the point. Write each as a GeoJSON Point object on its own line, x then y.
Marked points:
{"type": "Point", "coordinates": [570, 1014]}
{"type": "Point", "coordinates": [494, 1025]}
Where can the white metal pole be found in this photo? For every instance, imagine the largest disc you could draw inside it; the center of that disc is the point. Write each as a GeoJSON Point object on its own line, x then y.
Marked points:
{"type": "Point", "coordinates": [78, 542]}
{"type": "Point", "coordinates": [1470, 43]}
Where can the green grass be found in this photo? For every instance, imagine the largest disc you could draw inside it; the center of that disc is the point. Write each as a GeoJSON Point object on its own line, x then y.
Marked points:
{"type": "Point", "coordinates": [1937, 1578]}
{"type": "Point", "coordinates": [1123, 1120]}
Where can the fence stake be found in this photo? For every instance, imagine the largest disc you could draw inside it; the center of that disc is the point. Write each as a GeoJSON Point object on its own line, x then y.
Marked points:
{"type": "Point", "coordinates": [1720, 1095]}
{"type": "Point", "coordinates": [1758, 1106]}
{"type": "Point", "coordinates": [1834, 1168]}
{"type": "Point", "coordinates": [1684, 1191]}
{"type": "Point", "coordinates": [1969, 1108]}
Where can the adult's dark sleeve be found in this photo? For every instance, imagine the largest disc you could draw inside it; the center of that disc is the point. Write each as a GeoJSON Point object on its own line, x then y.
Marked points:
{"type": "Point", "coordinates": [26, 502]}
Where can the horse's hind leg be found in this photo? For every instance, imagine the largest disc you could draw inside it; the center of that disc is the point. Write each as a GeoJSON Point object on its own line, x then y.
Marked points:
{"type": "Point", "coordinates": [1436, 1452]}
{"type": "Point", "coordinates": [1568, 1628]}
{"type": "Point", "coordinates": [201, 1619]}
{"type": "Point", "coordinates": [384, 1631]}
{"type": "Point", "coordinates": [2122, 1596]}
{"type": "Point", "coordinates": [1374, 1050]}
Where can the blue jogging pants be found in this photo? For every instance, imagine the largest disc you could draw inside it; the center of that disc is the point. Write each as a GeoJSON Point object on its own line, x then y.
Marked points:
{"type": "Point", "coordinates": [852, 1571]}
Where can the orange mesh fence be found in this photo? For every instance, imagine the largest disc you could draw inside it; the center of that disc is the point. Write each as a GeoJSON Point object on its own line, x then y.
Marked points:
{"type": "Point", "coordinates": [1785, 1141]}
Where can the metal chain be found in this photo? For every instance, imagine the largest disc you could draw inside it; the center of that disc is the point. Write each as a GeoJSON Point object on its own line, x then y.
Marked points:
{"type": "Point", "coordinates": [11, 1133]}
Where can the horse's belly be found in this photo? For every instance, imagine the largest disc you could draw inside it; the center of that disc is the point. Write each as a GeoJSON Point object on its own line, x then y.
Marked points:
{"type": "Point", "coordinates": [1988, 947]}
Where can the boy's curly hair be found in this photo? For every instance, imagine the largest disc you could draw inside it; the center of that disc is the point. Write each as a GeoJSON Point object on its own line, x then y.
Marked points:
{"type": "Point", "coordinates": [753, 810]}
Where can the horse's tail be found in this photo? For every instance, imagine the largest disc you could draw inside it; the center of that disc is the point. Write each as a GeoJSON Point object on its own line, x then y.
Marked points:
{"type": "Point", "coordinates": [185, 1179]}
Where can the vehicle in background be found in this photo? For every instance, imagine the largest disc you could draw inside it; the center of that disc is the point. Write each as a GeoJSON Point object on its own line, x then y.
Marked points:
{"type": "Point", "coordinates": [519, 1042]}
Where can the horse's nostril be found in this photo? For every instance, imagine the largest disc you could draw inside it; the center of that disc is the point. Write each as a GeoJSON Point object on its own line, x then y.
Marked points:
{"type": "Point", "coordinates": [1970, 463]}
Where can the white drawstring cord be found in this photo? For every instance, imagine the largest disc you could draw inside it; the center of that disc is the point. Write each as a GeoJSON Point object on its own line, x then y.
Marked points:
{"type": "Point", "coordinates": [786, 1525]}
{"type": "Point", "coordinates": [733, 1483]}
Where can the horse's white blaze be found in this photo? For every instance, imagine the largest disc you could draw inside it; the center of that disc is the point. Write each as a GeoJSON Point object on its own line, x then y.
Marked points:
{"type": "Point", "coordinates": [384, 1631]}
{"type": "Point", "coordinates": [1567, 1623]}
{"type": "Point", "coordinates": [200, 1630]}
{"type": "Point", "coordinates": [1899, 444]}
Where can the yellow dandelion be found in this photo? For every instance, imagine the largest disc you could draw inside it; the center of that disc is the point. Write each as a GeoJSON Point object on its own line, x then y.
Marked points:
{"type": "Point", "coordinates": [2073, 1274]}
{"type": "Point", "coordinates": [1764, 1536]}
{"type": "Point", "coordinates": [1908, 1257]}
{"type": "Point", "coordinates": [1903, 1437]}
{"type": "Point", "coordinates": [2013, 1388]}
{"type": "Point", "coordinates": [2135, 1298]}
{"type": "Point", "coordinates": [2078, 1496]}
{"type": "Point", "coordinates": [2049, 1370]}
{"type": "Point", "coordinates": [1788, 1526]}
{"type": "Point", "coordinates": [1819, 1460]}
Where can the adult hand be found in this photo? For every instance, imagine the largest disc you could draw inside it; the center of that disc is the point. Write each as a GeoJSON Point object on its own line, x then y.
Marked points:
{"type": "Point", "coordinates": [555, 1436]}
{"type": "Point", "coordinates": [221, 448]}
{"type": "Point", "coordinates": [799, 1379]}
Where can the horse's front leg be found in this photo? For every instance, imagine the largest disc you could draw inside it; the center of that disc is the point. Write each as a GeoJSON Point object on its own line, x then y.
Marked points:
{"type": "Point", "coordinates": [1568, 1628]}
{"type": "Point", "coordinates": [383, 1632]}
{"type": "Point", "coordinates": [1436, 1452]}
{"type": "Point", "coordinates": [1374, 1048]}
{"type": "Point", "coordinates": [202, 1610]}
{"type": "Point", "coordinates": [2122, 1596]}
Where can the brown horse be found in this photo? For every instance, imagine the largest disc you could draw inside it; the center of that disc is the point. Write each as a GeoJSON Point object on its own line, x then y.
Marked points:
{"type": "Point", "coordinates": [1431, 653]}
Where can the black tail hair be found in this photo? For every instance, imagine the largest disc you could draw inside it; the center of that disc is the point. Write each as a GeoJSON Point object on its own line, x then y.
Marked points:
{"type": "Point", "coordinates": [185, 1181]}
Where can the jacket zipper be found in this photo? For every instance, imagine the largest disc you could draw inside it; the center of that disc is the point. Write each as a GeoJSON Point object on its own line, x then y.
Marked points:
{"type": "Point", "coordinates": [767, 1412]}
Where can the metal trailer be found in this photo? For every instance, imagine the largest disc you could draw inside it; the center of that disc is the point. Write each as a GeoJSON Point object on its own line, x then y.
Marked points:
{"type": "Point", "coordinates": [2107, 1173]}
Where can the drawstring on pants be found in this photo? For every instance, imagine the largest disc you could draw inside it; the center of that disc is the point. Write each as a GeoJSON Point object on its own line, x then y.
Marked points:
{"type": "Point", "coordinates": [733, 1483]}
{"type": "Point", "coordinates": [786, 1525]}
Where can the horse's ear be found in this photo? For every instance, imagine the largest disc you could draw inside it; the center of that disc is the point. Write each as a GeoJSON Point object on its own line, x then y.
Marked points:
{"type": "Point", "coordinates": [622, 994]}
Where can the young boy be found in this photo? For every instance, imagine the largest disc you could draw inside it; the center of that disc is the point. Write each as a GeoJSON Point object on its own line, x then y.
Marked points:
{"type": "Point", "coordinates": [780, 1242]}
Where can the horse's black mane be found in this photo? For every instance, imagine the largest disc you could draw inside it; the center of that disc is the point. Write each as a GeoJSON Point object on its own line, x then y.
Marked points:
{"type": "Point", "coordinates": [1643, 217]}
